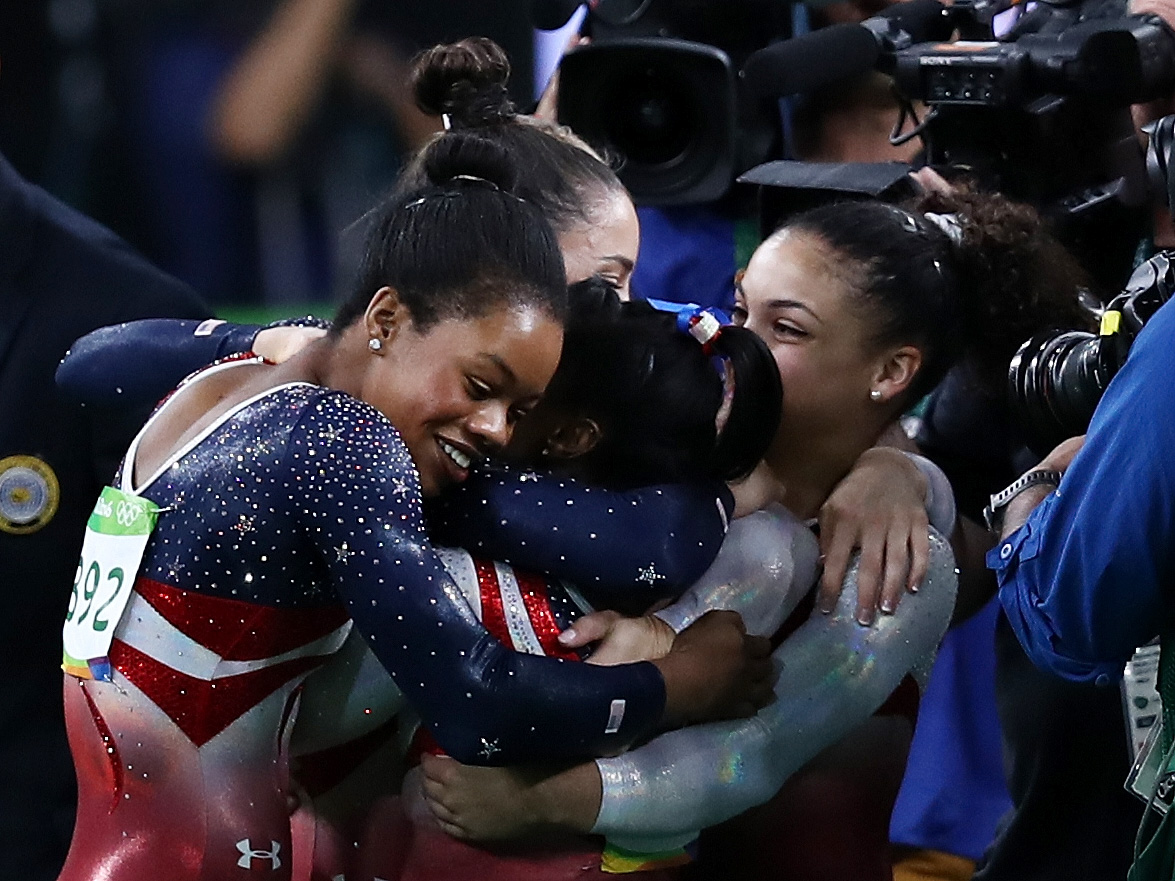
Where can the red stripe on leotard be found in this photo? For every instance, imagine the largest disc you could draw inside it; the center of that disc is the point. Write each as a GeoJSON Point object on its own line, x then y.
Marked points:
{"type": "Point", "coordinates": [537, 599]}
{"type": "Point", "coordinates": [235, 630]}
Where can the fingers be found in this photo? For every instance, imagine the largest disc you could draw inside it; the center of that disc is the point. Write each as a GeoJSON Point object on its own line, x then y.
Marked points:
{"type": "Point", "coordinates": [760, 674]}
{"type": "Point", "coordinates": [897, 568]}
{"type": "Point", "coordinates": [837, 546]}
{"type": "Point", "coordinates": [919, 558]}
{"type": "Point", "coordinates": [588, 629]}
{"type": "Point", "coordinates": [548, 106]}
{"type": "Point", "coordinates": [930, 181]}
{"type": "Point", "coordinates": [869, 577]}
{"type": "Point", "coordinates": [737, 620]}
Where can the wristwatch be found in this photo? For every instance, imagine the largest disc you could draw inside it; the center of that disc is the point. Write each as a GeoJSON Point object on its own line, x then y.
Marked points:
{"type": "Point", "coordinates": [993, 514]}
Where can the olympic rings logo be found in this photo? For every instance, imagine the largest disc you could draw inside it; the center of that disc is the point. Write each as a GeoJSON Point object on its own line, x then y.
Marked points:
{"type": "Point", "coordinates": [126, 514]}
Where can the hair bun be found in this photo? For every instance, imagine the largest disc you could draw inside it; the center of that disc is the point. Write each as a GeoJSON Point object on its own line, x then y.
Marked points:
{"type": "Point", "coordinates": [468, 155]}
{"type": "Point", "coordinates": [465, 80]}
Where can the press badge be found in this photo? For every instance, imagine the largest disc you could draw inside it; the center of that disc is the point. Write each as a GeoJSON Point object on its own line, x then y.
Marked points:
{"type": "Point", "coordinates": [1151, 772]}
{"type": "Point", "coordinates": [1153, 775]}
{"type": "Point", "coordinates": [116, 539]}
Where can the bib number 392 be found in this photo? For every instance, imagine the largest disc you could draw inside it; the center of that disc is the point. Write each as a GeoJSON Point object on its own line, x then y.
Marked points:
{"type": "Point", "coordinates": [116, 538]}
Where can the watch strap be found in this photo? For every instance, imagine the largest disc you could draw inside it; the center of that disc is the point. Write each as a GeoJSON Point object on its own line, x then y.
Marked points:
{"type": "Point", "coordinates": [993, 513]}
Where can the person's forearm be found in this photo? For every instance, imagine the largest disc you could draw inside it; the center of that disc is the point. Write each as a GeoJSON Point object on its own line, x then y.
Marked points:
{"type": "Point", "coordinates": [767, 562]}
{"type": "Point", "coordinates": [1024, 504]}
{"type": "Point", "coordinates": [270, 92]}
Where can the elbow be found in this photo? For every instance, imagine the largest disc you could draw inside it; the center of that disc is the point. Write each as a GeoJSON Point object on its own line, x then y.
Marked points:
{"type": "Point", "coordinates": [476, 722]}
{"type": "Point", "coordinates": [241, 135]}
{"type": "Point", "coordinates": [75, 374]}
{"type": "Point", "coordinates": [246, 145]}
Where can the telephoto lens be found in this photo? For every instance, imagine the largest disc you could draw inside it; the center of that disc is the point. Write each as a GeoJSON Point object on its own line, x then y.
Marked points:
{"type": "Point", "coordinates": [1055, 380]}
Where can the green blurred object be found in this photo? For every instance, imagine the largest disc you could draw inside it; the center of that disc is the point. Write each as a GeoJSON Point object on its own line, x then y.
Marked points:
{"type": "Point", "coordinates": [270, 314]}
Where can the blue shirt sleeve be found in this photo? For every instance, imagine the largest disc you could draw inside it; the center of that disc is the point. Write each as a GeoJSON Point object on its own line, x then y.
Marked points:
{"type": "Point", "coordinates": [135, 364]}
{"type": "Point", "coordinates": [653, 541]}
{"type": "Point", "coordinates": [1088, 577]}
{"type": "Point", "coordinates": [483, 702]}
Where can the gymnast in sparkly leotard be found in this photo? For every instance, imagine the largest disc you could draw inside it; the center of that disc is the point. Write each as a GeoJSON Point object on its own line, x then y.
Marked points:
{"type": "Point", "coordinates": [528, 612]}
{"type": "Point", "coordinates": [291, 514]}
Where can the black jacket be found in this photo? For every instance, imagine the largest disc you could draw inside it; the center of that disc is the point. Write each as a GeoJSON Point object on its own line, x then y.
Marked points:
{"type": "Point", "coordinates": [61, 276]}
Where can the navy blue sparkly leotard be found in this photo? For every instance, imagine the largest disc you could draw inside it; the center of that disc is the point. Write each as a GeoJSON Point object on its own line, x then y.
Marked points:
{"type": "Point", "coordinates": [642, 545]}
{"type": "Point", "coordinates": [307, 499]}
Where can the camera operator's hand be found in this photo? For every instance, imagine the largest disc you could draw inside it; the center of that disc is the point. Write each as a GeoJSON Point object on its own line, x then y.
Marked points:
{"type": "Point", "coordinates": [548, 106]}
{"type": "Point", "coordinates": [1062, 454]}
{"type": "Point", "coordinates": [879, 507]}
{"type": "Point", "coordinates": [930, 181]}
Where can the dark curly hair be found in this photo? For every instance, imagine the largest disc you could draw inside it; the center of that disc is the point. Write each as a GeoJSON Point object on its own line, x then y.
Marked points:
{"type": "Point", "coordinates": [974, 294]}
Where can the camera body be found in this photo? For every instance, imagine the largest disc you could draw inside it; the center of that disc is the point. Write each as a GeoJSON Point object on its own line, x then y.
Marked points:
{"type": "Point", "coordinates": [1117, 61]}
{"type": "Point", "coordinates": [657, 90]}
{"type": "Point", "coordinates": [1056, 379]}
{"type": "Point", "coordinates": [1043, 116]}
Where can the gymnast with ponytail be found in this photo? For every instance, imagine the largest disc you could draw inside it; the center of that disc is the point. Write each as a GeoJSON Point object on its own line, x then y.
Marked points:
{"type": "Point", "coordinates": [289, 504]}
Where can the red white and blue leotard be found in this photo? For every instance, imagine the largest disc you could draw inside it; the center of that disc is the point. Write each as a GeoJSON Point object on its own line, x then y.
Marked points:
{"type": "Point", "coordinates": [293, 515]}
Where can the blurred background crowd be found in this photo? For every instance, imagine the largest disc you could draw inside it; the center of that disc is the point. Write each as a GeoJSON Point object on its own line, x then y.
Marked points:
{"type": "Point", "coordinates": [238, 144]}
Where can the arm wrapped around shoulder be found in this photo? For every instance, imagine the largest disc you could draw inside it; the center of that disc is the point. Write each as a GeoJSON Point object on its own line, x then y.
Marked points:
{"type": "Point", "coordinates": [834, 673]}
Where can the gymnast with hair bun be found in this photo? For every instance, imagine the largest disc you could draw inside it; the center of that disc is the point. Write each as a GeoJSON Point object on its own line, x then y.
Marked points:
{"type": "Point", "coordinates": [289, 505]}
{"type": "Point", "coordinates": [779, 537]}
{"type": "Point", "coordinates": [864, 307]}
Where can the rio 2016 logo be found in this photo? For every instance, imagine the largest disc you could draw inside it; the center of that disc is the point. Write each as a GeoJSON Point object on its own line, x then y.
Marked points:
{"type": "Point", "coordinates": [126, 514]}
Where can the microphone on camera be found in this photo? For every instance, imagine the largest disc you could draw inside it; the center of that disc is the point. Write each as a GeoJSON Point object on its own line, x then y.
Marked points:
{"type": "Point", "coordinates": [820, 58]}
{"type": "Point", "coordinates": [550, 15]}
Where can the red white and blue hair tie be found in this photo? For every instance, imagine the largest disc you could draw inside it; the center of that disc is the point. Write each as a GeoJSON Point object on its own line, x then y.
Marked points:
{"type": "Point", "coordinates": [705, 325]}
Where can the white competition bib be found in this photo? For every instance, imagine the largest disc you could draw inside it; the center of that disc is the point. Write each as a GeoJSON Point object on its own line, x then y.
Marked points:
{"type": "Point", "coordinates": [116, 538]}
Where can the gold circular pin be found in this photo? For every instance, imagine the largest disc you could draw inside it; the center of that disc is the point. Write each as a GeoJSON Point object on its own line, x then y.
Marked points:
{"type": "Point", "coordinates": [29, 494]}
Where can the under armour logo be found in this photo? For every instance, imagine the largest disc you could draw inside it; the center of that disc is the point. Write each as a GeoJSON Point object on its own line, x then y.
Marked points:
{"type": "Point", "coordinates": [248, 854]}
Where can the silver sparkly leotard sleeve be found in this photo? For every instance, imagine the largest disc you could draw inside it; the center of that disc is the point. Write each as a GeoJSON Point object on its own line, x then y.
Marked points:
{"type": "Point", "coordinates": [833, 674]}
{"type": "Point", "coordinates": [769, 560]}
{"type": "Point", "coordinates": [767, 563]}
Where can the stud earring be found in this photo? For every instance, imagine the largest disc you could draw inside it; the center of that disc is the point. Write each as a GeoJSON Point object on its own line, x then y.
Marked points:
{"type": "Point", "coordinates": [374, 344]}
{"type": "Point", "coordinates": [875, 395]}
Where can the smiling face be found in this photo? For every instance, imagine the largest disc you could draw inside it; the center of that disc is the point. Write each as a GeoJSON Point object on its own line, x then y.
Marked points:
{"type": "Point", "coordinates": [798, 297]}
{"type": "Point", "coordinates": [456, 391]}
{"type": "Point", "coordinates": [607, 245]}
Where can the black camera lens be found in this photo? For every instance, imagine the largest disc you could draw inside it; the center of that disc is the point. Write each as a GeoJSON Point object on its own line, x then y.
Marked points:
{"type": "Point", "coordinates": [1056, 381]}
{"type": "Point", "coordinates": [652, 121]}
